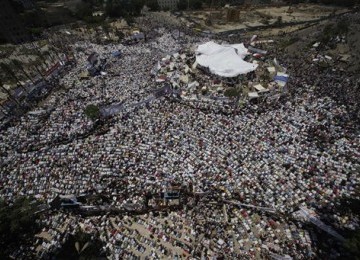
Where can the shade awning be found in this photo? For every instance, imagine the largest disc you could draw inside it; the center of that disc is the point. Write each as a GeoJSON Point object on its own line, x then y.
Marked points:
{"type": "Point", "coordinates": [224, 60]}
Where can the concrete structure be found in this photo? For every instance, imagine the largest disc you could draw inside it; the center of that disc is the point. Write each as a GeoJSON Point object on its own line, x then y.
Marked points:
{"type": "Point", "coordinates": [11, 27]}
{"type": "Point", "coordinates": [168, 4]}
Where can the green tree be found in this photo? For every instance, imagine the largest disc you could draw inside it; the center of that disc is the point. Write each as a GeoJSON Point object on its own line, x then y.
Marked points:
{"type": "Point", "coordinates": [37, 51]}
{"type": "Point", "coordinates": [8, 92]}
{"type": "Point", "coordinates": [182, 5]}
{"type": "Point", "coordinates": [81, 246]}
{"type": "Point", "coordinates": [348, 205]}
{"type": "Point", "coordinates": [124, 8]}
{"type": "Point", "coordinates": [6, 68]}
{"type": "Point", "coordinates": [153, 5]}
{"type": "Point", "coordinates": [92, 111]}
{"type": "Point", "coordinates": [17, 222]}
{"type": "Point", "coordinates": [83, 10]}
{"type": "Point", "coordinates": [54, 50]}
{"type": "Point", "coordinates": [347, 3]}
{"type": "Point", "coordinates": [49, 54]}
{"type": "Point", "coordinates": [353, 244]}
{"type": "Point", "coordinates": [231, 92]}
{"type": "Point", "coordinates": [351, 206]}
{"type": "Point", "coordinates": [17, 6]}
{"type": "Point", "coordinates": [35, 18]}
{"type": "Point", "coordinates": [114, 9]}
{"type": "Point", "coordinates": [120, 34]}
{"type": "Point", "coordinates": [196, 4]}
{"type": "Point", "coordinates": [18, 64]}
{"type": "Point", "coordinates": [279, 21]}
{"type": "Point", "coordinates": [135, 7]}
{"type": "Point", "coordinates": [42, 75]}
{"type": "Point", "coordinates": [36, 31]}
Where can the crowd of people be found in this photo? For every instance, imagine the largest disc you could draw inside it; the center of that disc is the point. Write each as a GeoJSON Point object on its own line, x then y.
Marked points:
{"type": "Point", "coordinates": [301, 151]}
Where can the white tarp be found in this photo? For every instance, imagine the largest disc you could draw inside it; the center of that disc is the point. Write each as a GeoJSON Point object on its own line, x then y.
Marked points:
{"type": "Point", "coordinates": [253, 95]}
{"type": "Point", "coordinates": [224, 60]}
{"type": "Point", "coordinates": [260, 88]}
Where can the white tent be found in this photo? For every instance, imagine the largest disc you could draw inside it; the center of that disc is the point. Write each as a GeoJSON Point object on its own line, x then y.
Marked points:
{"type": "Point", "coordinates": [224, 60]}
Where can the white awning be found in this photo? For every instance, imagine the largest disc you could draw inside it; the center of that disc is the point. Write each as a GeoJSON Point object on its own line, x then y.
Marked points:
{"type": "Point", "coordinates": [224, 60]}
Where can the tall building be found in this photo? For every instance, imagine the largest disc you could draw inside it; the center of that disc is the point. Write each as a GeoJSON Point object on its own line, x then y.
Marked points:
{"type": "Point", "coordinates": [11, 27]}
{"type": "Point", "coordinates": [168, 4]}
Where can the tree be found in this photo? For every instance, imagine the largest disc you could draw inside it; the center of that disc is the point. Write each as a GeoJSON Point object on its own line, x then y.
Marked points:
{"type": "Point", "coordinates": [348, 205]}
{"type": "Point", "coordinates": [36, 32]}
{"type": "Point", "coordinates": [135, 7]}
{"type": "Point", "coordinates": [17, 6]}
{"type": "Point", "coordinates": [113, 9]}
{"type": "Point", "coordinates": [8, 92]}
{"type": "Point", "coordinates": [20, 67]}
{"type": "Point", "coordinates": [17, 222]}
{"type": "Point", "coordinates": [351, 206]}
{"type": "Point", "coordinates": [6, 68]}
{"type": "Point", "coordinates": [182, 5]}
{"type": "Point", "coordinates": [39, 72]}
{"type": "Point", "coordinates": [48, 54]}
{"type": "Point", "coordinates": [83, 10]}
{"type": "Point", "coordinates": [120, 34]}
{"type": "Point", "coordinates": [106, 28]}
{"type": "Point", "coordinates": [81, 246]}
{"type": "Point", "coordinates": [153, 5]}
{"type": "Point", "coordinates": [231, 92]}
{"type": "Point", "coordinates": [196, 4]}
{"type": "Point", "coordinates": [353, 244]}
{"type": "Point", "coordinates": [39, 53]}
{"type": "Point", "coordinates": [192, 4]}
{"type": "Point", "coordinates": [124, 8]}
{"type": "Point", "coordinates": [52, 49]}
{"type": "Point", "coordinates": [279, 21]}
{"type": "Point", "coordinates": [35, 18]}
{"type": "Point", "coordinates": [347, 3]}
{"type": "Point", "coordinates": [92, 111]}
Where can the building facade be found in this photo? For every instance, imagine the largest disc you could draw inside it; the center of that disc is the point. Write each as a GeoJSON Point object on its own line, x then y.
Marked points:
{"type": "Point", "coordinates": [168, 4]}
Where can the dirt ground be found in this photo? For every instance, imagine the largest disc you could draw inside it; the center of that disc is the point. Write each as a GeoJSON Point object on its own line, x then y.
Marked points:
{"type": "Point", "coordinates": [261, 16]}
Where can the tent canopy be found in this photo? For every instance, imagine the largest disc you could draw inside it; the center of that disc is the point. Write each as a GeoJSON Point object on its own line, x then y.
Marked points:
{"type": "Point", "coordinates": [224, 60]}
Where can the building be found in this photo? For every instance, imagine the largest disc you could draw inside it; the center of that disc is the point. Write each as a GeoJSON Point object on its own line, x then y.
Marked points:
{"type": "Point", "coordinates": [11, 27]}
{"type": "Point", "coordinates": [168, 4]}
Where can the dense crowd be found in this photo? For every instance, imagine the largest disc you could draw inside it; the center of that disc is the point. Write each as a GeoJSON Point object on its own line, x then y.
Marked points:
{"type": "Point", "coordinates": [296, 152]}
